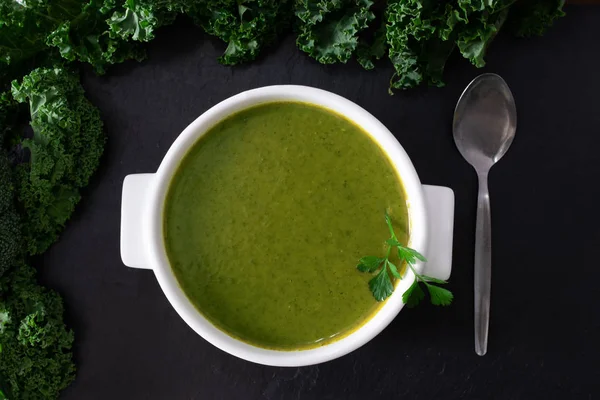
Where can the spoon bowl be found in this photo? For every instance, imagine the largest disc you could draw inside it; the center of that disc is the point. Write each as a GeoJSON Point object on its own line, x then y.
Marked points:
{"type": "Point", "coordinates": [485, 122]}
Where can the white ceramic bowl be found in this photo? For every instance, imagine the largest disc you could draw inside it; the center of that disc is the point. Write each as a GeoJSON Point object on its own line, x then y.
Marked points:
{"type": "Point", "coordinates": [431, 212]}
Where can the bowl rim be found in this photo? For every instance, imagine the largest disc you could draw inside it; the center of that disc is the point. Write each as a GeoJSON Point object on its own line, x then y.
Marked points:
{"type": "Point", "coordinates": [192, 133]}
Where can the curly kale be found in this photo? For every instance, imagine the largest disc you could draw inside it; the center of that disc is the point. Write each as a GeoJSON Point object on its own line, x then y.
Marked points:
{"type": "Point", "coordinates": [23, 30]}
{"type": "Point", "coordinates": [328, 29]}
{"type": "Point", "coordinates": [247, 26]}
{"type": "Point", "coordinates": [10, 227]}
{"type": "Point", "coordinates": [65, 149]}
{"type": "Point", "coordinates": [533, 17]}
{"type": "Point", "coordinates": [36, 361]}
{"type": "Point", "coordinates": [480, 26]}
{"type": "Point", "coordinates": [105, 32]}
{"type": "Point", "coordinates": [76, 28]}
{"type": "Point", "coordinates": [417, 35]}
{"type": "Point", "coordinates": [8, 117]}
{"type": "Point", "coordinates": [138, 19]}
{"type": "Point", "coordinates": [367, 52]}
{"type": "Point", "coordinates": [421, 34]}
{"type": "Point", "coordinates": [35, 348]}
{"type": "Point", "coordinates": [419, 40]}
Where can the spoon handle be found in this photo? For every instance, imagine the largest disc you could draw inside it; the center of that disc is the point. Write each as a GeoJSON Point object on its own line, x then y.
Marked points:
{"type": "Point", "coordinates": [483, 266]}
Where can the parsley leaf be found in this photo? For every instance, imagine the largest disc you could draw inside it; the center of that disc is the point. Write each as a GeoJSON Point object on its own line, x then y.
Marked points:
{"type": "Point", "coordinates": [388, 221]}
{"type": "Point", "coordinates": [426, 278]}
{"type": "Point", "coordinates": [369, 263]}
{"type": "Point", "coordinates": [409, 254]}
{"type": "Point", "coordinates": [393, 242]}
{"type": "Point", "coordinates": [382, 285]}
{"type": "Point", "coordinates": [413, 296]}
{"type": "Point", "coordinates": [439, 296]}
{"type": "Point", "coordinates": [393, 269]}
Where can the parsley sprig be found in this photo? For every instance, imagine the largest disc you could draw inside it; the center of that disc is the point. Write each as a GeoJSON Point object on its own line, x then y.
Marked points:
{"type": "Point", "coordinates": [381, 284]}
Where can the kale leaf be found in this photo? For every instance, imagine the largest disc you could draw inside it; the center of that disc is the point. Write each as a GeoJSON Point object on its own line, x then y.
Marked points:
{"type": "Point", "coordinates": [10, 224]}
{"type": "Point", "coordinates": [36, 361]}
{"type": "Point", "coordinates": [76, 28]}
{"type": "Point", "coordinates": [138, 19]}
{"type": "Point", "coordinates": [479, 26]}
{"type": "Point", "coordinates": [376, 50]}
{"type": "Point", "coordinates": [66, 146]}
{"type": "Point", "coordinates": [421, 36]}
{"type": "Point", "coordinates": [417, 35]}
{"type": "Point", "coordinates": [533, 17]}
{"type": "Point", "coordinates": [329, 29]}
{"type": "Point", "coordinates": [85, 36]}
{"type": "Point", "coordinates": [247, 26]}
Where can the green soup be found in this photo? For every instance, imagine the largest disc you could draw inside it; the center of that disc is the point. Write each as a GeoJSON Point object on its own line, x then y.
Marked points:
{"type": "Point", "coordinates": [267, 216]}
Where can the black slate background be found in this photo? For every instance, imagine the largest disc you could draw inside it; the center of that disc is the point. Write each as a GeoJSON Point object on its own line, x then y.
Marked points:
{"type": "Point", "coordinates": [130, 343]}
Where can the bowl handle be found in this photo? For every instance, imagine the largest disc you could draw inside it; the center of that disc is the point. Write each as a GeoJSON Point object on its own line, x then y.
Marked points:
{"type": "Point", "coordinates": [134, 247]}
{"type": "Point", "coordinates": [439, 201]}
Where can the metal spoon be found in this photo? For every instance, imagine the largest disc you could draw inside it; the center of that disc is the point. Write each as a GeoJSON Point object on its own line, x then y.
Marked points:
{"type": "Point", "coordinates": [485, 121]}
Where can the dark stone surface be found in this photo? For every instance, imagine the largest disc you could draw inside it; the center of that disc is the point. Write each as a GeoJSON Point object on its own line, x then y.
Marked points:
{"type": "Point", "coordinates": [545, 200]}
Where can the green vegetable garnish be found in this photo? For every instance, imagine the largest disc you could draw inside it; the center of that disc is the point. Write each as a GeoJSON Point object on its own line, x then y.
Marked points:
{"type": "Point", "coordinates": [382, 284]}
{"type": "Point", "coordinates": [417, 36]}
{"type": "Point", "coordinates": [10, 224]}
{"type": "Point", "coordinates": [39, 189]}
{"type": "Point", "coordinates": [328, 30]}
{"type": "Point", "coordinates": [36, 360]}
{"type": "Point", "coordinates": [246, 26]}
{"type": "Point", "coordinates": [64, 151]}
